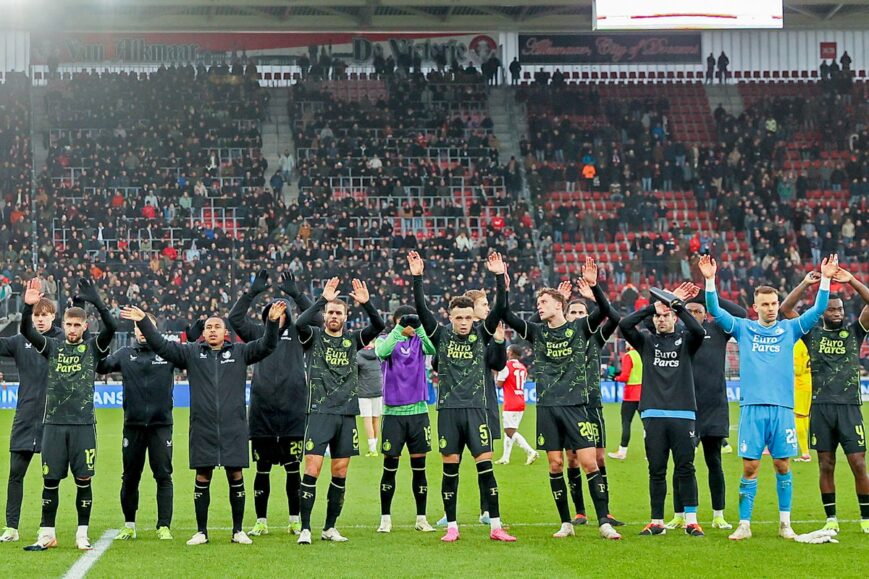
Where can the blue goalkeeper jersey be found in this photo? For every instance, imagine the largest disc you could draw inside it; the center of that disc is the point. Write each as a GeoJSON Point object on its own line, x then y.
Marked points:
{"type": "Point", "coordinates": [766, 354]}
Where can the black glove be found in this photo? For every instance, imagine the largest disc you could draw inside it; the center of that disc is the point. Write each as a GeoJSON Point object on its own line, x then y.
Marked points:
{"type": "Point", "coordinates": [87, 291]}
{"type": "Point", "coordinates": [260, 283]}
{"type": "Point", "coordinates": [288, 284]}
{"type": "Point", "coordinates": [194, 330]}
{"type": "Point", "coordinates": [76, 302]}
{"type": "Point", "coordinates": [409, 321]}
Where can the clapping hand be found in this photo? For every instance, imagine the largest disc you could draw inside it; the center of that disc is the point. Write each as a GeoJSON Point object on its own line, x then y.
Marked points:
{"type": "Point", "coordinates": [277, 309]}
{"type": "Point", "coordinates": [132, 313]}
{"type": "Point", "coordinates": [260, 283]}
{"type": "Point", "coordinates": [88, 291]}
{"type": "Point", "coordinates": [330, 290]}
{"type": "Point", "coordinates": [360, 292]}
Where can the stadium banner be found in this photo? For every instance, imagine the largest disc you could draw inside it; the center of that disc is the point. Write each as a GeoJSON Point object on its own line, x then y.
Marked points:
{"type": "Point", "coordinates": [609, 49]}
{"type": "Point", "coordinates": [275, 48]}
{"type": "Point", "coordinates": [111, 395]}
{"type": "Point", "coordinates": [828, 51]}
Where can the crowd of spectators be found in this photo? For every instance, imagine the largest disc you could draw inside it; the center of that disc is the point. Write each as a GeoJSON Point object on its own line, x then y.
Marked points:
{"type": "Point", "coordinates": [15, 160]}
{"type": "Point", "coordinates": [162, 214]}
{"type": "Point", "coordinates": [157, 221]}
{"type": "Point", "coordinates": [424, 162]}
{"type": "Point", "coordinates": [786, 183]}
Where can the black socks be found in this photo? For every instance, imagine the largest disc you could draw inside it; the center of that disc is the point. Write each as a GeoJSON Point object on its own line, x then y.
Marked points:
{"type": "Point", "coordinates": [335, 501]}
{"type": "Point", "coordinates": [387, 483]}
{"type": "Point", "coordinates": [559, 493]}
{"type": "Point", "coordinates": [450, 490]}
{"type": "Point", "coordinates": [420, 484]}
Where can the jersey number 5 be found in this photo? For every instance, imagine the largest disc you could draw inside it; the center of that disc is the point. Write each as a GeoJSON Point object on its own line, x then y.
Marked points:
{"type": "Point", "coordinates": [484, 434]}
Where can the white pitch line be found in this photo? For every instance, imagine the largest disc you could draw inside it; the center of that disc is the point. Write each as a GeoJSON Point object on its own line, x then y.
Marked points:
{"type": "Point", "coordinates": [86, 561]}
{"type": "Point", "coordinates": [540, 524]}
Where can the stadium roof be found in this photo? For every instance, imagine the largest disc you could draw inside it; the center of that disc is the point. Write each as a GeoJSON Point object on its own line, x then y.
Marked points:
{"type": "Point", "coordinates": [369, 15]}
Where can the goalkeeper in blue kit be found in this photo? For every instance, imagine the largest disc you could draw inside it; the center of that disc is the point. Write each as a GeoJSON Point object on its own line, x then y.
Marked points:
{"type": "Point", "coordinates": [766, 400]}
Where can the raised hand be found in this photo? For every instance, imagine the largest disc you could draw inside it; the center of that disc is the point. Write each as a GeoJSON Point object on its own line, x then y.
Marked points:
{"type": "Point", "coordinates": [565, 288]}
{"type": "Point", "coordinates": [812, 278]}
{"type": "Point", "coordinates": [495, 263]}
{"type": "Point", "coordinates": [132, 313]}
{"type": "Point", "coordinates": [260, 283]}
{"type": "Point", "coordinates": [500, 333]}
{"type": "Point", "coordinates": [194, 331]}
{"type": "Point", "coordinates": [415, 263]}
{"type": "Point", "coordinates": [88, 291]}
{"type": "Point", "coordinates": [589, 271]}
{"type": "Point", "coordinates": [842, 276]}
{"type": "Point", "coordinates": [830, 266]}
{"type": "Point", "coordinates": [506, 277]}
{"type": "Point", "coordinates": [583, 288]}
{"type": "Point", "coordinates": [330, 290]}
{"type": "Point", "coordinates": [661, 308]}
{"type": "Point", "coordinates": [277, 309]}
{"type": "Point", "coordinates": [686, 291]}
{"type": "Point", "coordinates": [33, 293]}
{"type": "Point", "coordinates": [288, 283]}
{"type": "Point", "coordinates": [708, 267]}
{"type": "Point", "coordinates": [360, 292]}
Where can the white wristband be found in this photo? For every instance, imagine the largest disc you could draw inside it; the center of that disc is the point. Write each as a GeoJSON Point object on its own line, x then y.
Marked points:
{"type": "Point", "coordinates": [710, 284]}
{"type": "Point", "coordinates": [825, 283]}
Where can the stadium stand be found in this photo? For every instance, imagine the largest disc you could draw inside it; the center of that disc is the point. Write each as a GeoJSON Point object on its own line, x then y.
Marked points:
{"type": "Point", "coordinates": [176, 192]}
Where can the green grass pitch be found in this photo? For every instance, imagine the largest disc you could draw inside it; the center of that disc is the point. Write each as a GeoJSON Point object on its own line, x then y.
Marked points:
{"type": "Point", "coordinates": [526, 505]}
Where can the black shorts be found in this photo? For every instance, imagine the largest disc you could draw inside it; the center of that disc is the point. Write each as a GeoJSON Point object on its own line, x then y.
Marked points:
{"type": "Point", "coordinates": [413, 430]}
{"type": "Point", "coordinates": [831, 425]}
{"type": "Point", "coordinates": [335, 431]}
{"type": "Point", "coordinates": [463, 427]}
{"type": "Point", "coordinates": [156, 441]}
{"type": "Point", "coordinates": [493, 417]}
{"type": "Point", "coordinates": [276, 450]}
{"type": "Point", "coordinates": [595, 416]}
{"type": "Point", "coordinates": [565, 428]}
{"type": "Point", "coordinates": [68, 447]}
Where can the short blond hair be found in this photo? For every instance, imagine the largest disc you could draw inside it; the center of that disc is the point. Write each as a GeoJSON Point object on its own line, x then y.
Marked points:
{"type": "Point", "coordinates": [764, 289]}
{"type": "Point", "coordinates": [44, 306]}
{"type": "Point", "coordinates": [475, 294]}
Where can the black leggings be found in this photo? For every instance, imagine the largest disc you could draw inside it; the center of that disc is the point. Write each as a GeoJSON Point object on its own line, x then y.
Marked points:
{"type": "Point", "coordinates": [663, 437]}
{"type": "Point", "coordinates": [18, 463]}
{"type": "Point", "coordinates": [712, 455]}
{"type": "Point", "coordinates": [628, 411]}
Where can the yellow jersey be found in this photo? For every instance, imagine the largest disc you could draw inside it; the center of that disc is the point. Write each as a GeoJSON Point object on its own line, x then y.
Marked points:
{"type": "Point", "coordinates": [802, 379]}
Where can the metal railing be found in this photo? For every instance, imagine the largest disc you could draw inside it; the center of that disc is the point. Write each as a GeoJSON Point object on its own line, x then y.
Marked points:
{"type": "Point", "coordinates": [229, 154]}
{"type": "Point", "coordinates": [214, 217]}
{"type": "Point", "coordinates": [475, 226]}
{"type": "Point", "coordinates": [56, 134]}
{"type": "Point", "coordinates": [393, 132]}
{"type": "Point", "coordinates": [10, 303]}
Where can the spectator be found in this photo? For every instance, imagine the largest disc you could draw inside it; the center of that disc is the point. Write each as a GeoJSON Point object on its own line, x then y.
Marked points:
{"type": "Point", "coordinates": [723, 63]}
{"type": "Point", "coordinates": [845, 61]}
{"type": "Point", "coordinates": [825, 71]}
{"type": "Point", "coordinates": [515, 71]}
{"type": "Point", "coordinates": [710, 68]}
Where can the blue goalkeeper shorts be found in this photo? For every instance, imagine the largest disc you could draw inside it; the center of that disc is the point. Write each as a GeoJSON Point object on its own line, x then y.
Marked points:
{"type": "Point", "coordinates": [766, 426]}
